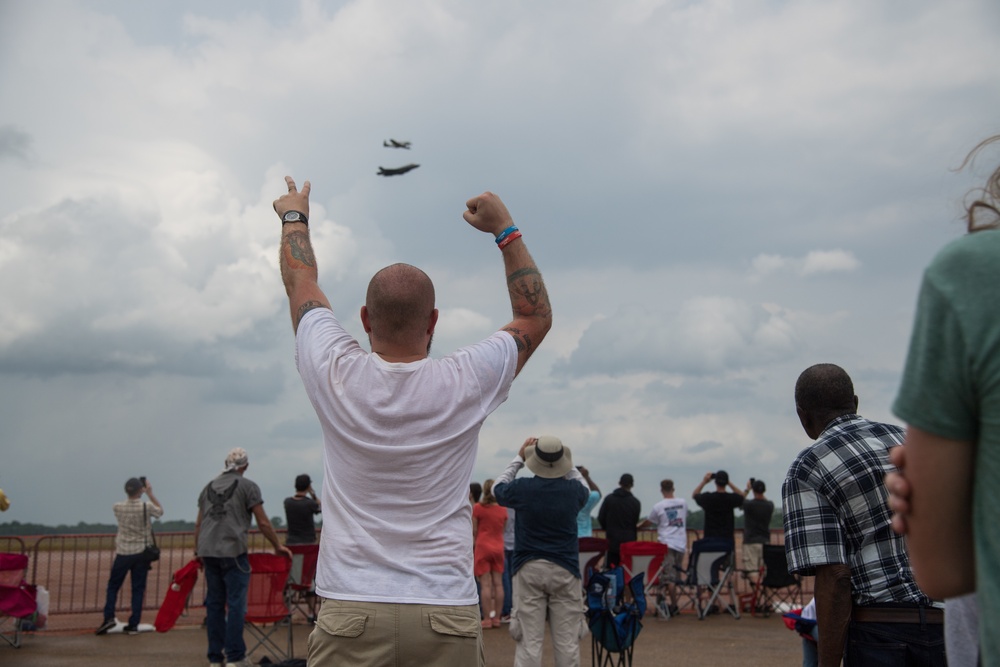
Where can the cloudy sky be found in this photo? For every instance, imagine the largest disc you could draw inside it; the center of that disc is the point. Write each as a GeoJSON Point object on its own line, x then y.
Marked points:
{"type": "Point", "coordinates": [719, 193]}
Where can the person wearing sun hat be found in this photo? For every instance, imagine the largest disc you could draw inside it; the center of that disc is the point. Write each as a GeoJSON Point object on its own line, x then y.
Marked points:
{"type": "Point", "coordinates": [546, 551]}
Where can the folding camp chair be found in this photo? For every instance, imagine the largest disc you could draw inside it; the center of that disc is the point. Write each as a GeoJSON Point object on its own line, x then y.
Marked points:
{"type": "Point", "coordinates": [710, 570]}
{"type": "Point", "coordinates": [17, 597]}
{"type": "Point", "coordinates": [780, 590]}
{"type": "Point", "coordinates": [268, 615]}
{"type": "Point", "coordinates": [301, 590]}
{"type": "Point", "coordinates": [644, 557]}
{"type": "Point", "coordinates": [592, 550]}
{"type": "Point", "coordinates": [614, 613]}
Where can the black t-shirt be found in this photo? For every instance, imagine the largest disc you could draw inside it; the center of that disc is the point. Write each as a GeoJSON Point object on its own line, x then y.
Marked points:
{"type": "Point", "coordinates": [299, 515]}
{"type": "Point", "coordinates": [757, 521]}
{"type": "Point", "coordinates": [719, 508]}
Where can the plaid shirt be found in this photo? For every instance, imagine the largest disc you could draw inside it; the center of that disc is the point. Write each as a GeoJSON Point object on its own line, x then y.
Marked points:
{"type": "Point", "coordinates": [836, 511]}
{"type": "Point", "coordinates": [133, 532]}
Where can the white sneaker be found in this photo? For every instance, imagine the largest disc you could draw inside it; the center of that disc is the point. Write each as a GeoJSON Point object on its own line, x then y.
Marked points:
{"type": "Point", "coordinates": [245, 662]}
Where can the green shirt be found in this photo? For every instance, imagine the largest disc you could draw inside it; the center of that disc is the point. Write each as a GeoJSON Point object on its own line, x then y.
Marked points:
{"type": "Point", "coordinates": [951, 388]}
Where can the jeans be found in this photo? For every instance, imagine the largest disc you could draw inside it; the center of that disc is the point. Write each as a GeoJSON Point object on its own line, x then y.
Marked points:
{"type": "Point", "coordinates": [508, 578]}
{"type": "Point", "coordinates": [890, 644]}
{"type": "Point", "coordinates": [138, 566]}
{"type": "Point", "coordinates": [227, 581]}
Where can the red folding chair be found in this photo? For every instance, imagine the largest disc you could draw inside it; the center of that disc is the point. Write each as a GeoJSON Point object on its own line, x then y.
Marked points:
{"type": "Point", "coordinates": [17, 597]}
{"type": "Point", "coordinates": [268, 615]}
{"type": "Point", "coordinates": [647, 557]}
{"type": "Point", "coordinates": [302, 580]}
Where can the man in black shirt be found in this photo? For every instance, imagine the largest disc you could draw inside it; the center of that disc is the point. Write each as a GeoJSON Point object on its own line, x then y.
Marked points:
{"type": "Point", "coordinates": [299, 511]}
{"type": "Point", "coordinates": [619, 516]}
{"type": "Point", "coordinates": [718, 505]}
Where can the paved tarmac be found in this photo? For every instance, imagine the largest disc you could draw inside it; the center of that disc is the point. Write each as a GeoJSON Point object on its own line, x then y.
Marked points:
{"type": "Point", "coordinates": [682, 640]}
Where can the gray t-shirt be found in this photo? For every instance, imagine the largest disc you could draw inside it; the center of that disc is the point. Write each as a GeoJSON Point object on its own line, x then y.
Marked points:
{"type": "Point", "coordinates": [226, 505]}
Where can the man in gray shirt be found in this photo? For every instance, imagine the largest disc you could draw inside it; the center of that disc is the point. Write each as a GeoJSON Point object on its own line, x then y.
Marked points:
{"type": "Point", "coordinates": [226, 509]}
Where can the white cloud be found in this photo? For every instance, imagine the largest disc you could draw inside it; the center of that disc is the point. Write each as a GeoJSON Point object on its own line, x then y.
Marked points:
{"type": "Point", "coordinates": [719, 193]}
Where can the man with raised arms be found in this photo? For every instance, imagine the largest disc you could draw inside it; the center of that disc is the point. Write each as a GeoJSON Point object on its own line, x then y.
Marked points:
{"type": "Point", "coordinates": [400, 433]}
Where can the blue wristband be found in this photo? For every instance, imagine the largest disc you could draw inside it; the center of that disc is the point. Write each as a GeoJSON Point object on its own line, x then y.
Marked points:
{"type": "Point", "coordinates": [505, 233]}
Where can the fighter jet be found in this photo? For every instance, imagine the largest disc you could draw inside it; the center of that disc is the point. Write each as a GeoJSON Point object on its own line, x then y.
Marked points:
{"type": "Point", "coordinates": [382, 171]}
{"type": "Point", "coordinates": [392, 143]}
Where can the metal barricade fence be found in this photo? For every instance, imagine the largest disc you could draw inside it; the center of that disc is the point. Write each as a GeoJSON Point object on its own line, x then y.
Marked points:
{"type": "Point", "coordinates": [75, 568]}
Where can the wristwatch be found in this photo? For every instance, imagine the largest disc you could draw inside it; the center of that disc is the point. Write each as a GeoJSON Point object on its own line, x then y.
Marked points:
{"type": "Point", "coordinates": [294, 216]}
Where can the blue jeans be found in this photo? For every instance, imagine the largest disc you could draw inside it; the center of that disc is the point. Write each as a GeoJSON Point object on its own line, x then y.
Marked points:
{"type": "Point", "coordinates": [508, 587]}
{"type": "Point", "coordinates": [138, 566]}
{"type": "Point", "coordinates": [227, 581]}
{"type": "Point", "coordinates": [890, 644]}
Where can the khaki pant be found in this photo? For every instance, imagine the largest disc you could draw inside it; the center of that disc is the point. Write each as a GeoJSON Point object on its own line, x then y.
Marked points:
{"type": "Point", "coordinates": [753, 557]}
{"type": "Point", "coordinates": [375, 634]}
{"type": "Point", "coordinates": [541, 586]}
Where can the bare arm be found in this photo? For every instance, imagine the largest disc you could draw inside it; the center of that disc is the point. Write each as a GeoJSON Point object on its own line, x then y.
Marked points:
{"type": "Point", "coordinates": [152, 498]}
{"type": "Point", "coordinates": [932, 497]}
{"type": "Point", "coordinates": [296, 257]}
{"type": "Point", "coordinates": [264, 524]}
{"type": "Point", "coordinates": [705, 480]}
{"type": "Point", "coordinates": [833, 611]}
{"type": "Point", "coordinates": [529, 298]}
{"type": "Point", "coordinates": [590, 483]}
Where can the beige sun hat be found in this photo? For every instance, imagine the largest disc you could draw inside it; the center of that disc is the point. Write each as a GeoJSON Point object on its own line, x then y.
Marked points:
{"type": "Point", "coordinates": [548, 457]}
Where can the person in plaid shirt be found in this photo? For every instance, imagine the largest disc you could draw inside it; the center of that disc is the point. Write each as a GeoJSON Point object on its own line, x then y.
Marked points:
{"type": "Point", "coordinates": [837, 527]}
{"type": "Point", "coordinates": [134, 533]}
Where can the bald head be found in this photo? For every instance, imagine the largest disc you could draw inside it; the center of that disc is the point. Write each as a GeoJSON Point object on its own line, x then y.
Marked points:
{"type": "Point", "coordinates": [400, 303]}
{"type": "Point", "coordinates": [822, 393]}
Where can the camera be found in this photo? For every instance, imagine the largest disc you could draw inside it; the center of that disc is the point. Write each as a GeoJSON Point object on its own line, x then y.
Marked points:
{"type": "Point", "coordinates": [143, 480]}
{"type": "Point", "coordinates": [712, 476]}
{"type": "Point", "coordinates": [752, 480]}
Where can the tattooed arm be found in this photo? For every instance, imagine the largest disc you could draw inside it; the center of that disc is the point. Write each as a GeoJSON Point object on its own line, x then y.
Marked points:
{"type": "Point", "coordinates": [296, 257]}
{"type": "Point", "coordinates": [528, 296]}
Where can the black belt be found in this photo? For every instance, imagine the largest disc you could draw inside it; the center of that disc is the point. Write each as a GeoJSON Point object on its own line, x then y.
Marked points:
{"type": "Point", "coordinates": [874, 614]}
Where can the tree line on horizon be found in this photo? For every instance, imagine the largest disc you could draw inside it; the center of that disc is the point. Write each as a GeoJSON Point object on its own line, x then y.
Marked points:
{"type": "Point", "coordinates": [695, 521]}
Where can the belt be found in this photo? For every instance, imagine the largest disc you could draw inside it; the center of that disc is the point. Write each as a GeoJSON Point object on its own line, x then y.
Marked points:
{"type": "Point", "coordinates": [932, 615]}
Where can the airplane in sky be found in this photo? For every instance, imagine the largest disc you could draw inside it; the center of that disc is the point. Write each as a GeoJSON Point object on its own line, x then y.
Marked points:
{"type": "Point", "coordinates": [382, 171]}
{"type": "Point", "coordinates": [392, 143]}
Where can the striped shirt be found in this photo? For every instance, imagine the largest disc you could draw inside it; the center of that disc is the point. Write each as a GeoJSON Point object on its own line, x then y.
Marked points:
{"type": "Point", "coordinates": [836, 511]}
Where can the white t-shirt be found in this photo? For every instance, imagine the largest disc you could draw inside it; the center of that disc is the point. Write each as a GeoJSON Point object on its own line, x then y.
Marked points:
{"type": "Point", "coordinates": [670, 518]}
{"type": "Point", "coordinates": [399, 445]}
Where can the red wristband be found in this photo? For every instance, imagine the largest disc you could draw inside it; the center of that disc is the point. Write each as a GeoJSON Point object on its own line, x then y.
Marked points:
{"type": "Point", "coordinates": [510, 237]}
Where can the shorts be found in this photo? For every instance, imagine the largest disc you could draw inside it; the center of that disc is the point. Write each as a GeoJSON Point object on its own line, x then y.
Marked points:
{"type": "Point", "coordinates": [753, 557]}
{"type": "Point", "coordinates": [673, 563]}
{"type": "Point", "coordinates": [372, 634]}
{"type": "Point", "coordinates": [488, 562]}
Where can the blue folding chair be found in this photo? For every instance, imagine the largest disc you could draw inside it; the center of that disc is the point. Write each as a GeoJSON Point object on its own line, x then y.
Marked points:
{"type": "Point", "coordinates": [614, 613]}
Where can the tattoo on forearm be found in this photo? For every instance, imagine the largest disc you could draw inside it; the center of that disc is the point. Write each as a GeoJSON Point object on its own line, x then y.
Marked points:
{"type": "Point", "coordinates": [300, 248]}
{"type": "Point", "coordinates": [521, 339]}
{"type": "Point", "coordinates": [305, 308]}
{"type": "Point", "coordinates": [527, 293]}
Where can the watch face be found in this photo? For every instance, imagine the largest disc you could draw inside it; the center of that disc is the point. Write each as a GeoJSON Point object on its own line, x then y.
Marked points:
{"type": "Point", "coordinates": [292, 216]}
